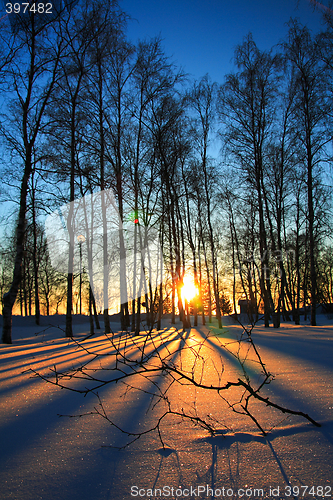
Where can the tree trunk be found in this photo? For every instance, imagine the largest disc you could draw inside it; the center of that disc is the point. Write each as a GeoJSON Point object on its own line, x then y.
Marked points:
{"type": "Point", "coordinates": [10, 296]}
{"type": "Point", "coordinates": [313, 274]}
{"type": "Point", "coordinates": [35, 250]}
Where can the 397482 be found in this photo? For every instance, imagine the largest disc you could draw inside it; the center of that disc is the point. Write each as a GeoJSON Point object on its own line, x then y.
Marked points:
{"type": "Point", "coordinates": [301, 491]}
{"type": "Point", "coordinates": [25, 7]}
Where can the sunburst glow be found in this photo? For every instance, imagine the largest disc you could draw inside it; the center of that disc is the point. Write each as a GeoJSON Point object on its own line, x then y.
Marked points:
{"type": "Point", "coordinates": [189, 290]}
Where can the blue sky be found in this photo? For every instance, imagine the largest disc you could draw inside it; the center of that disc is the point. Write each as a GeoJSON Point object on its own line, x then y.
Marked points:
{"type": "Point", "coordinates": [201, 34]}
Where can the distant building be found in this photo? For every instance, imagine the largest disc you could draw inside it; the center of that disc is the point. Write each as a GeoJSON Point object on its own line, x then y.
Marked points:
{"type": "Point", "coordinates": [247, 306]}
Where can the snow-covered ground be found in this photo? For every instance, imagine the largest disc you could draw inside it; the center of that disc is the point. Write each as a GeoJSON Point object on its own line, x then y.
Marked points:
{"type": "Point", "coordinates": [47, 457]}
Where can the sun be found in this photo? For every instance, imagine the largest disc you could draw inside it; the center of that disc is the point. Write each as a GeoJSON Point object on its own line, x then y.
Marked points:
{"type": "Point", "coordinates": [189, 290]}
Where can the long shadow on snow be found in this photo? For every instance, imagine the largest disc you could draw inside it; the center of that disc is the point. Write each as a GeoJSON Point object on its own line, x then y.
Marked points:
{"type": "Point", "coordinates": [286, 397]}
{"type": "Point", "coordinates": [6, 429]}
{"type": "Point", "coordinates": [73, 358]}
{"type": "Point", "coordinates": [320, 352]}
{"type": "Point", "coordinates": [113, 458]}
{"type": "Point", "coordinates": [163, 452]}
{"type": "Point", "coordinates": [224, 442]}
{"type": "Point", "coordinates": [57, 353]}
{"type": "Point", "coordinates": [37, 424]}
{"type": "Point", "coordinates": [28, 349]}
{"type": "Point", "coordinates": [226, 354]}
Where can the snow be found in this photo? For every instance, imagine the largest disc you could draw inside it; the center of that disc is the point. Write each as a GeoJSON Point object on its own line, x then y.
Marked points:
{"type": "Point", "coordinates": [44, 456]}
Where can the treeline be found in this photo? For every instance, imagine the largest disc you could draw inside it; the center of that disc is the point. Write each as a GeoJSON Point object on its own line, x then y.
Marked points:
{"type": "Point", "coordinates": [234, 176]}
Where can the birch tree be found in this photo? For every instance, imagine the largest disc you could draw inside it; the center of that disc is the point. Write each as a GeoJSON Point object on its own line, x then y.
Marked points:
{"type": "Point", "coordinates": [246, 108]}
{"type": "Point", "coordinates": [310, 112]}
{"type": "Point", "coordinates": [32, 76]}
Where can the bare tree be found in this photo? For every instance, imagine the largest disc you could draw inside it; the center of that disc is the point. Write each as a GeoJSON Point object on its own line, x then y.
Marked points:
{"type": "Point", "coordinates": [246, 106]}
{"type": "Point", "coordinates": [154, 76]}
{"type": "Point", "coordinates": [170, 148]}
{"type": "Point", "coordinates": [202, 99]}
{"type": "Point", "coordinates": [310, 113]}
{"type": "Point", "coordinates": [105, 27]}
{"type": "Point", "coordinates": [33, 74]}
